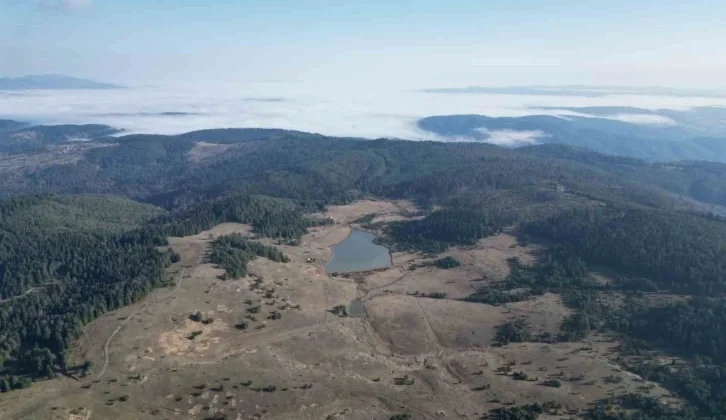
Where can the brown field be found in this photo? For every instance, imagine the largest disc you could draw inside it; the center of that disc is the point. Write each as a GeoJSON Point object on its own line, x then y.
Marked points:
{"type": "Point", "coordinates": [432, 358]}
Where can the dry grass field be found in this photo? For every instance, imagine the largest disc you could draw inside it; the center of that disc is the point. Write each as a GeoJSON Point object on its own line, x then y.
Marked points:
{"type": "Point", "coordinates": [294, 359]}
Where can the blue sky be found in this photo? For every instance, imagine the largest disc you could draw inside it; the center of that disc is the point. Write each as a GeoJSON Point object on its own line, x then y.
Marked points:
{"type": "Point", "coordinates": [424, 43]}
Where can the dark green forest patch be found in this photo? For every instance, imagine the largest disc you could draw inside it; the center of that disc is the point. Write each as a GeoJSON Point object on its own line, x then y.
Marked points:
{"type": "Point", "coordinates": [233, 252]}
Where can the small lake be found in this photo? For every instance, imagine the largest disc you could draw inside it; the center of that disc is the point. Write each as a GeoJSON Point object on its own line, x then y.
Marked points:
{"type": "Point", "coordinates": [356, 309]}
{"type": "Point", "coordinates": [358, 253]}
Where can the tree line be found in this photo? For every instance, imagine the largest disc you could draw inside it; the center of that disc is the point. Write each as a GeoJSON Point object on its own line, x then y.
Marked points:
{"type": "Point", "coordinates": [233, 252]}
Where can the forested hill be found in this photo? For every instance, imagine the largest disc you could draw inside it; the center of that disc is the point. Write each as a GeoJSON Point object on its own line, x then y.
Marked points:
{"type": "Point", "coordinates": [18, 138]}
{"type": "Point", "coordinates": [655, 135]}
{"type": "Point", "coordinates": [68, 223]}
{"type": "Point", "coordinates": [167, 168]}
{"type": "Point", "coordinates": [701, 180]}
{"type": "Point", "coordinates": [63, 262]}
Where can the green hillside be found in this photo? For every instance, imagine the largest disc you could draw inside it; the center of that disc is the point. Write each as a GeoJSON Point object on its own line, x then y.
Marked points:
{"type": "Point", "coordinates": [91, 253]}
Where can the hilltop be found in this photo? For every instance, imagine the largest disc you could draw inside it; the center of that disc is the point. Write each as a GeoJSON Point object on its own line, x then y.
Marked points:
{"type": "Point", "coordinates": [51, 81]}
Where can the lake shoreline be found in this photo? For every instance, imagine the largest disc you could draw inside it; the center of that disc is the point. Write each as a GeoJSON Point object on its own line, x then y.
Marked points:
{"type": "Point", "coordinates": [349, 252]}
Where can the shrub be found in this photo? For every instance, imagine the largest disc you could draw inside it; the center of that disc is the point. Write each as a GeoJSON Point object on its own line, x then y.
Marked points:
{"type": "Point", "coordinates": [520, 376]}
{"type": "Point", "coordinates": [447, 263]}
{"type": "Point", "coordinates": [553, 383]}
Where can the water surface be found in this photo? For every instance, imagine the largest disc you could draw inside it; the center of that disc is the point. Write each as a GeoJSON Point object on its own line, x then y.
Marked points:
{"type": "Point", "coordinates": [358, 253]}
{"type": "Point", "coordinates": [356, 308]}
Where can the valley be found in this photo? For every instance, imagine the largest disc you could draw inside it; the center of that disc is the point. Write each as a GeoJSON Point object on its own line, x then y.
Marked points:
{"type": "Point", "coordinates": [185, 277]}
{"type": "Point", "coordinates": [364, 210]}
{"type": "Point", "coordinates": [433, 358]}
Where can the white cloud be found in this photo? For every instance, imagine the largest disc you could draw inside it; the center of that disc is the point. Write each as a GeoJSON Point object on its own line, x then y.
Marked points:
{"type": "Point", "coordinates": [643, 119]}
{"type": "Point", "coordinates": [513, 138]}
{"type": "Point", "coordinates": [362, 112]}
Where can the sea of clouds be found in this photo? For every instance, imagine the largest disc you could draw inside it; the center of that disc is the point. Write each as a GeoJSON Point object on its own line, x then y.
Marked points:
{"type": "Point", "coordinates": [368, 113]}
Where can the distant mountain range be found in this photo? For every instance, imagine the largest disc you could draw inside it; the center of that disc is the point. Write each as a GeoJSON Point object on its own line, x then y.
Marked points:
{"type": "Point", "coordinates": [653, 135]}
{"type": "Point", "coordinates": [51, 81]}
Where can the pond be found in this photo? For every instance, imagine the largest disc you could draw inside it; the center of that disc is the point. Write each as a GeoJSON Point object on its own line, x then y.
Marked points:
{"type": "Point", "coordinates": [356, 309]}
{"type": "Point", "coordinates": [358, 253]}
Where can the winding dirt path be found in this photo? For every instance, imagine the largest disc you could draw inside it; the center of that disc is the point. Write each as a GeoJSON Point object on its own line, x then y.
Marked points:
{"type": "Point", "coordinates": [106, 352]}
{"type": "Point", "coordinates": [27, 292]}
{"type": "Point", "coordinates": [433, 332]}
{"type": "Point", "coordinates": [198, 259]}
